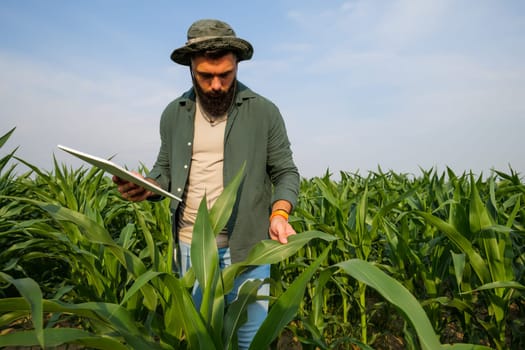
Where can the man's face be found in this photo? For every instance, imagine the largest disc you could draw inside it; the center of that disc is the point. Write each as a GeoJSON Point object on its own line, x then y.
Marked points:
{"type": "Point", "coordinates": [214, 81]}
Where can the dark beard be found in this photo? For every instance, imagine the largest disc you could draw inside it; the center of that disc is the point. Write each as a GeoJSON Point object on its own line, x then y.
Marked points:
{"type": "Point", "coordinates": [216, 103]}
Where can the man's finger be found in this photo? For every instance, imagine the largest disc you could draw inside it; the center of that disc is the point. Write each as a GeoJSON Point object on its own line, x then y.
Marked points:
{"type": "Point", "coordinates": [117, 180]}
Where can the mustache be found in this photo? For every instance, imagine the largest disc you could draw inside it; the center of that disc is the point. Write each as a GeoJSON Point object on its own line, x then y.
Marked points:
{"type": "Point", "coordinates": [215, 94]}
{"type": "Point", "coordinates": [216, 103]}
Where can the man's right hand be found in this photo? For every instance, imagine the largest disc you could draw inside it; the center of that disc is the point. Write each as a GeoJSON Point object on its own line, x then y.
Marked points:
{"type": "Point", "coordinates": [131, 191]}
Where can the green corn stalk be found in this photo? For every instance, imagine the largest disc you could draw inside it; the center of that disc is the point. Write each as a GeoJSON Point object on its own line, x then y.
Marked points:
{"type": "Point", "coordinates": [400, 297]}
{"type": "Point", "coordinates": [414, 249]}
{"type": "Point", "coordinates": [285, 308]}
{"type": "Point", "coordinates": [417, 253]}
{"type": "Point", "coordinates": [179, 324]}
{"type": "Point", "coordinates": [492, 265]}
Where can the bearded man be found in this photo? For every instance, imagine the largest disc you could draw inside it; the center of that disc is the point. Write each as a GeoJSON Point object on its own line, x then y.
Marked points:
{"type": "Point", "coordinates": [207, 134]}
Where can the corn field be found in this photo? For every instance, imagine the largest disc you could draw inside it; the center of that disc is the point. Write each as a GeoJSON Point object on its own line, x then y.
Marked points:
{"type": "Point", "coordinates": [381, 261]}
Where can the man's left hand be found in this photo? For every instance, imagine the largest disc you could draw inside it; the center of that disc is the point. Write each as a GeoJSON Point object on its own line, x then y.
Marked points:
{"type": "Point", "coordinates": [280, 229]}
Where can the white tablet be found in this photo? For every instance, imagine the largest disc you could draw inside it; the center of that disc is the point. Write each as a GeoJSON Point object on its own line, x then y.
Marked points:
{"type": "Point", "coordinates": [119, 171]}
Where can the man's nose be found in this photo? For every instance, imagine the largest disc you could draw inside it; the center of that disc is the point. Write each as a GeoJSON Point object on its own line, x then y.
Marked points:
{"type": "Point", "coordinates": [216, 83]}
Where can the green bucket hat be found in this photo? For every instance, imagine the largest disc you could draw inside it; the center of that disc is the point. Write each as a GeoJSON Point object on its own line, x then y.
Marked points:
{"type": "Point", "coordinates": [211, 34]}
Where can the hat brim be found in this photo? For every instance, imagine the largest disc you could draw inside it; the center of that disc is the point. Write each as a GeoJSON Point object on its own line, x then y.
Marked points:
{"type": "Point", "coordinates": [242, 48]}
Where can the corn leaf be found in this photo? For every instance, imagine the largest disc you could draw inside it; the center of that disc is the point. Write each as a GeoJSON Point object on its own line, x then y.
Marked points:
{"type": "Point", "coordinates": [499, 284]}
{"type": "Point", "coordinates": [109, 315]}
{"type": "Point", "coordinates": [183, 312]}
{"type": "Point", "coordinates": [222, 208]}
{"type": "Point", "coordinates": [271, 252]}
{"type": "Point", "coordinates": [237, 315]}
{"type": "Point", "coordinates": [60, 336]}
{"type": "Point", "coordinates": [396, 294]}
{"type": "Point", "coordinates": [32, 294]}
{"type": "Point", "coordinates": [285, 308]}
{"type": "Point", "coordinates": [205, 258]}
{"type": "Point", "coordinates": [6, 136]}
{"type": "Point", "coordinates": [139, 284]}
{"type": "Point", "coordinates": [478, 264]}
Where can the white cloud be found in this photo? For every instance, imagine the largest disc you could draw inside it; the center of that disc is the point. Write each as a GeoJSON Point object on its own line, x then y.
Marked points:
{"type": "Point", "coordinates": [102, 114]}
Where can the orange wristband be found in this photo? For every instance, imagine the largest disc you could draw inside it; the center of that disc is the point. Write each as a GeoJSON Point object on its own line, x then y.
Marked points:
{"type": "Point", "coordinates": [279, 212]}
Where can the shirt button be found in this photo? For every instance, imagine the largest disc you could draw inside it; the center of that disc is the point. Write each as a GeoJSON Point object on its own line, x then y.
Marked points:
{"type": "Point", "coordinates": [179, 189]}
{"type": "Point", "coordinates": [185, 167]}
{"type": "Point", "coordinates": [189, 143]}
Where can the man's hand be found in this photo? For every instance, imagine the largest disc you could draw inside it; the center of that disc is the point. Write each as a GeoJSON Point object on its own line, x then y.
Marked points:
{"type": "Point", "coordinates": [280, 229]}
{"type": "Point", "coordinates": [131, 191]}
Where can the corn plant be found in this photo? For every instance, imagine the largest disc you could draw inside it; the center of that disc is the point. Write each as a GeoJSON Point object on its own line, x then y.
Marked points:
{"type": "Point", "coordinates": [435, 253]}
{"type": "Point", "coordinates": [491, 264]}
{"type": "Point", "coordinates": [403, 216]}
{"type": "Point", "coordinates": [134, 299]}
{"type": "Point", "coordinates": [354, 210]}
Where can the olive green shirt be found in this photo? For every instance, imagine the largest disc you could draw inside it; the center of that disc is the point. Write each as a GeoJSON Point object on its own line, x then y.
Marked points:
{"type": "Point", "coordinates": [256, 134]}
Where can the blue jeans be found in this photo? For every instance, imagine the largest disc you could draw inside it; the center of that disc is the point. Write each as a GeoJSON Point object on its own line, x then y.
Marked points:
{"type": "Point", "coordinates": [257, 311]}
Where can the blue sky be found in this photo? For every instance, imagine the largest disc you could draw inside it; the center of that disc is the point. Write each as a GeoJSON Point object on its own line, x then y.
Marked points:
{"type": "Point", "coordinates": [401, 84]}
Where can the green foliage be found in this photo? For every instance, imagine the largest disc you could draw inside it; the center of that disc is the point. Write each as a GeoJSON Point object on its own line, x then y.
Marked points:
{"type": "Point", "coordinates": [454, 242]}
{"type": "Point", "coordinates": [419, 261]}
{"type": "Point", "coordinates": [119, 284]}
